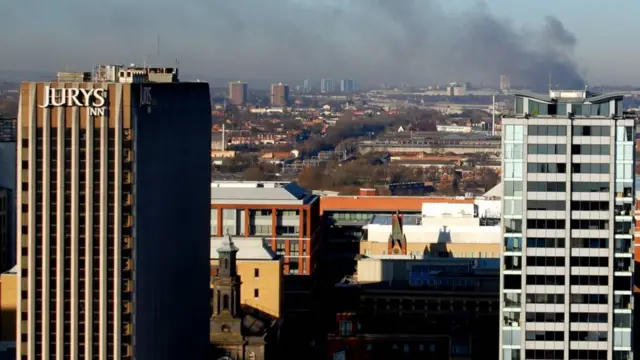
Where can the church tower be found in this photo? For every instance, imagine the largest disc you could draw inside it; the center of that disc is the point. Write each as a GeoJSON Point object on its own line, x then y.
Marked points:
{"type": "Point", "coordinates": [397, 244]}
{"type": "Point", "coordinates": [227, 314]}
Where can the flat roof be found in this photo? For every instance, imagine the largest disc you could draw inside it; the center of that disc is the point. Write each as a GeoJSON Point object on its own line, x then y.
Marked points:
{"type": "Point", "coordinates": [245, 193]}
{"type": "Point", "coordinates": [249, 248]}
{"type": "Point", "coordinates": [384, 203]}
{"type": "Point", "coordinates": [588, 96]}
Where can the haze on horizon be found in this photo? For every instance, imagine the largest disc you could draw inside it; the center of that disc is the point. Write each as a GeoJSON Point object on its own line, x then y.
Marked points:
{"type": "Point", "coordinates": [373, 41]}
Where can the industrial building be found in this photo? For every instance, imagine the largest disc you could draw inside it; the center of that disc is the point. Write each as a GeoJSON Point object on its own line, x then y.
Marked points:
{"type": "Point", "coordinates": [100, 239]}
{"type": "Point", "coordinates": [568, 206]}
{"type": "Point", "coordinates": [432, 143]}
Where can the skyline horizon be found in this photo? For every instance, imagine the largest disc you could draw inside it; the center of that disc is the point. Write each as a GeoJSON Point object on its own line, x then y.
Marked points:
{"type": "Point", "coordinates": [264, 82]}
{"type": "Point", "coordinates": [422, 41]}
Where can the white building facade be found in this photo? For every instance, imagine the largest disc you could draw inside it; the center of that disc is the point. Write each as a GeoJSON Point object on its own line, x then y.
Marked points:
{"type": "Point", "coordinates": [568, 201]}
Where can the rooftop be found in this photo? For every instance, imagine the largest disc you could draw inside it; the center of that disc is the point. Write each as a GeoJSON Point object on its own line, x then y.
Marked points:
{"type": "Point", "coordinates": [260, 193]}
{"type": "Point", "coordinates": [571, 96]}
{"type": "Point", "coordinates": [249, 248]}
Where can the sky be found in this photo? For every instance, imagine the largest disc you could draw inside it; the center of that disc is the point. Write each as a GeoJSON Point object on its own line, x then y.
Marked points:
{"type": "Point", "coordinates": [373, 41]}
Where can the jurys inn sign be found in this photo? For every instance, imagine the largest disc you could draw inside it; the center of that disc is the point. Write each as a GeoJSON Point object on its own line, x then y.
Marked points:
{"type": "Point", "coordinates": [94, 99]}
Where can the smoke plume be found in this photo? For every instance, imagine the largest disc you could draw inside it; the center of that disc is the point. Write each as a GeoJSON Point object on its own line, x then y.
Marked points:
{"type": "Point", "coordinates": [372, 41]}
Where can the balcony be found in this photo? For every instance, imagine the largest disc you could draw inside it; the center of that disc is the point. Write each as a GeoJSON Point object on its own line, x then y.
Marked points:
{"type": "Point", "coordinates": [513, 244]}
{"type": "Point", "coordinates": [623, 246]}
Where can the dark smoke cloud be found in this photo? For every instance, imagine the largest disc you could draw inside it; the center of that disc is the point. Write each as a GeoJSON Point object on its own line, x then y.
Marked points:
{"type": "Point", "coordinates": [373, 41]}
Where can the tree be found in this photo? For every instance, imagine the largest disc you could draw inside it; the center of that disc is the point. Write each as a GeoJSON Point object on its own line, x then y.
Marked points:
{"type": "Point", "coordinates": [253, 173]}
{"type": "Point", "coordinates": [311, 178]}
{"type": "Point", "coordinates": [445, 186]}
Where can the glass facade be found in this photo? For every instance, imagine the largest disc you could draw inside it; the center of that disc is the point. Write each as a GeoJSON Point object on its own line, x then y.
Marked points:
{"type": "Point", "coordinates": [568, 205]}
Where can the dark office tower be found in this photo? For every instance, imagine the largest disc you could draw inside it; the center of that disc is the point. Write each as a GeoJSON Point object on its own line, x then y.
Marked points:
{"type": "Point", "coordinates": [279, 95]}
{"type": "Point", "coordinates": [7, 192]}
{"type": "Point", "coordinates": [238, 93]}
{"type": "Point", "coordinates": [113, 220]}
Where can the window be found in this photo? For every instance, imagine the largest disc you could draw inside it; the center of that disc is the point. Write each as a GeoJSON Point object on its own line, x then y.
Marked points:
{"type": "Point", "coordinates": [547, 168]}
{"type": "Point", "coordinates": [544, 317]}
{"type": "Point", "coordinates": [513, 151]}
{"type": "Point", "coordinates": [591, 280]}
{"type": "Point", "coordinates": [256, 273]}
{"type": "Point", "coordinates": [545, 224]}
{"type": "Point", "coordinates": [542, 186]}
{"type": "Point", "coordinates": [256, 293]}
{"type": "Point", "coordinates": [590, 205]}
{"type": "Point", "coordinates": [590, 261]}
{"type": "Point", "coordinates": [260, 229]}
{"type": "Point", "coordinates": [294, 248]}
{"type": "Point", "coordinates": [547, 130]}
{"type": "Point", "coordinates": [596, 299]}
{"type": "Point", "coordinates": [225, 302]}
{"type": "Point", "coordinates": [587, 168]}
{"type": "Point", "coordinates": [591, 130]}
{"type": "Point", "coordinates": [545, 242]}
{"type": "Point", "coordinates": [544, 335]}
{"type": "Point", "coordinates": [512, 226]}
{"type": "Point", "coordinates": [287, 230]}
{"type": "Point", "coordinates": [545, 354]}
{"type": "Point", "coordinates": [545, 261]}
{"type": "Point", "coordinates": [514, 133]}
{"type": "Point", "coordinates": [545, 279]}
{"type": "Point", "coordinates": [547, 149]}
{"type": "Point", "coordinates": [519, 105]}
{"type": "Point", "coordinates": [625, 133]}
{"type": "Point", "coordinates": [513, 170]}
{"type": "Point", "coordinates": [590, 224]}
{"type": "Point", "coordinates": [591, 149]}
{"type": "Point", "coordinates": [588, 336]}
{"type": "Point", "coordinates": [547, 205]}
{"type": "Point", "coordinates": [589, 317]}
{"type": "Point", "coordinates": [545, 298]}
{"type": "Point", "coordinates": [589, 243]}
{"type": "Point", "coordinates": [590, 187]}
{"type": "Point", "coordinates": [345, 328]}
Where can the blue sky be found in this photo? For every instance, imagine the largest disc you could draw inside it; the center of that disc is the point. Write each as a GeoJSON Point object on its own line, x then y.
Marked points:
{"type": "Point", "coordinates": [312, 38]}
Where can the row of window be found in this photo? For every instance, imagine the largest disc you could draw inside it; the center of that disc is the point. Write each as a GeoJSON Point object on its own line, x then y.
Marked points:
{"type": "Point", "coordinates": [559, 335]}
{"type": "Point", "coordinates": [515, 243]}
{"type": "Point", "coordinates": [561, 205]}
{"type": "Point", "coordinates": [514, 188]}
{"type": "Point", "coordinates": [546, 130]}
{"type": "Point", "coordinates": [587, 261]}
{"type": "Point", "coordinates": [514, 354]}
{"type": "Point", "coordinates": [561, 168]}
{"type": "Point", "coordinates": [561, 130]}
{"type": "Point", "coordinates": [513, 225]}
{"type": "Point", "coordinates": [621, 283]}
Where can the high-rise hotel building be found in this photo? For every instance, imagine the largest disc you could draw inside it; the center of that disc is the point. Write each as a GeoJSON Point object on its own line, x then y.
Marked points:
{"type": "Point", "coordinates": [568, 210]}
{"type": "Point", "coordinates": [113, 220]}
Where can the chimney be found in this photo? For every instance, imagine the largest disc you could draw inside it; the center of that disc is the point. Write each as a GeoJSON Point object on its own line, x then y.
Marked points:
{"type": "Point", "coordinates": [368, 192]}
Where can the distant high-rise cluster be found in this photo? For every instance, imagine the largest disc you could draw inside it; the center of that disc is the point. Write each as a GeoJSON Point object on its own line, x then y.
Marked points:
{"type": "Point", "coordinates": [306, 87]}
{"type": "Point", "coordinates": [279, 95]}
{"type": "Point", "coordinates": [505, 82]}
{"type": "Point", "coordinates": [238, 93]}
{"type": "Point", "coordinates": [326, 85]}
{"type": "Point", "coordinates": [348, 86]}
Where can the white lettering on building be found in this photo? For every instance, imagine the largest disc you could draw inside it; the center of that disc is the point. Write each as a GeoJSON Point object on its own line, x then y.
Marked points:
{"type": "Point", "coordinates": [94, 99]}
